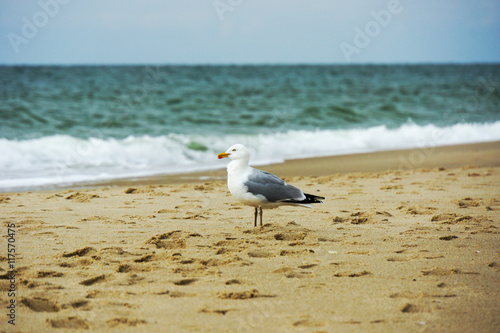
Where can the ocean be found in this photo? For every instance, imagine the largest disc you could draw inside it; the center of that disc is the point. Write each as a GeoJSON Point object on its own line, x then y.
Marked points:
{"type": "Point", "coordinates": [66, 125]}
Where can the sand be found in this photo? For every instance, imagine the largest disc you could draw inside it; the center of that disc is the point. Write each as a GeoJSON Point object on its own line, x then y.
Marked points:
{"type": "Point", "coordinates": [410, 249]}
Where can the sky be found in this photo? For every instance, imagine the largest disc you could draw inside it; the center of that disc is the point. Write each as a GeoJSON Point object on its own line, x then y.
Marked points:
{"type": "Point", "coordinates": [249, 31]}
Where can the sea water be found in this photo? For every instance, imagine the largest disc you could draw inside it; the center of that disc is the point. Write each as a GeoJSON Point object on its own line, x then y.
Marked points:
{"type": "Point", "coordinates": [62, 125]}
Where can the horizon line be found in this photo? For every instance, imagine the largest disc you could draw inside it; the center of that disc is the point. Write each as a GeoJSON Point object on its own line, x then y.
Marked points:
{"type": "Point", "coordinates": [250, 64]}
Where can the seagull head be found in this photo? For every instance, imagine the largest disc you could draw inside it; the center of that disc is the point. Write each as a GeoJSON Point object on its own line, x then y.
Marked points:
{"type": "Point", "coordinates": [235, 152]}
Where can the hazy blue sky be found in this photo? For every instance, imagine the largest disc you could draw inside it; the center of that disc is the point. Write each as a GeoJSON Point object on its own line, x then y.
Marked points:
{"type": "Point", "coordinates": [248, 31]}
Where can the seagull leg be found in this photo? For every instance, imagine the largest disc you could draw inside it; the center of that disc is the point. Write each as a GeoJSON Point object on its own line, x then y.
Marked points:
{"type": "Point", "coordinates": [255, 223]}
{"type": "Point", "coordinates": [260, 217]}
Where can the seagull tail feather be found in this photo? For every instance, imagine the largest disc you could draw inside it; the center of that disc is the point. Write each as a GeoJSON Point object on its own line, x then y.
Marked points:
{"type": "Point", "coordinates": [310, 198]}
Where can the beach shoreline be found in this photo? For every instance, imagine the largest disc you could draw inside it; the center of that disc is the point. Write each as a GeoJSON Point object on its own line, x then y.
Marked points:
{"type": "Point", "coordinates": [481, 154]}
{"type": "Point", "coordinates": [449, 156]}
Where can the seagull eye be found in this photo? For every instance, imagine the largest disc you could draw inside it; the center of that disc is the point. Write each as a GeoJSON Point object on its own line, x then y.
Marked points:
{"type": "Point", "coordinates": [234, 149]}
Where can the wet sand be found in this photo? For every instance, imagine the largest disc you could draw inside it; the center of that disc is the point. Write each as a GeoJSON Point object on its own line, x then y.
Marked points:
{"type": "Point", "coordinates": [395, 247]}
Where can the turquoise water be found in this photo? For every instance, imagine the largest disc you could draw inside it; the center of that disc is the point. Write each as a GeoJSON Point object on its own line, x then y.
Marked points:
{"type": "Point", "coordinates": [61, 125]}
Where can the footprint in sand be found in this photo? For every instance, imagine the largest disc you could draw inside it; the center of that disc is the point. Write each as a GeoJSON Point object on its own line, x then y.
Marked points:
{"type": "Point", "coordinates": [185, 282]}
{"type": "Point", "coordinates": [448, 238]}
{"type": "Point", "coordinates": [410, 308]}
{"type": "Point", "coordinates": [124, 321]}
{"type": "Point", "coordinates": [150, 190]}
{"type": "Point", "coordinates": [254, 293]}
{"type": "Point", "coordinates": [174, 294]}
{"type": "Point", "coordinates": [392, 187]}
{"type": "Point", "coordinates": [93, 280]}
{"type": "Point", "coordinates": [417, 210]}
{"type": "Point", "coordinates": [352, 274]}
{"type": "Point", "coordinates": [418, 295]}
{"type": "Point", "coordinates": [290, 273]}
{"type": "Point", "coordinates": [68, 322]}
{"type": "Point", "coordinates": [81, 197]}
{"type": "Point", "coordinates": [217, 311]}
{"type": "Point", "coordinates": [362, 217]}
{"type": "Point", "coordinates": [39, 304]}
{"type": "Point", "coordinates": [167, 211]}
{"type": "Point", "coordinates": [308, 323]}
{"type": "Point", "coordinates": [298, 275]}
{"type": "Point", "coordinates": [445, 272]}
{"type": "Point", "coordinates": [124, 268]}
{"type": "Point", "coordinates": [469, 202]}
{"type": "Point", "coordinates": [233, 281]}
{"type": "Point", "coordinates": [146, 258]}
{"type": "Point", "coordinates": [29, 225]}
{"type": "Point", "coordinates": [259, 253]}
{"type": "Point", "coordinates": [296, 252]}
{"type": "Point", "coordinates": [171, 240]}
{"type": "Point", "coordinates": [80, 252]}
{"type": "Point", "coordinates": [81, 304]}
{"type": "Point", "coordinates": [290, 236]}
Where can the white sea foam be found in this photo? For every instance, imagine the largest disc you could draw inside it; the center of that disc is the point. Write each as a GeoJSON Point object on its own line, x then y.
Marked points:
{"type": "Point", "coordinates": [63, 160]}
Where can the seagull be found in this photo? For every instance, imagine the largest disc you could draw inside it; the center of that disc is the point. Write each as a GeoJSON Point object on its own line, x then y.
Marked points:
{"type": "Point", "coordinates": [258, 188]}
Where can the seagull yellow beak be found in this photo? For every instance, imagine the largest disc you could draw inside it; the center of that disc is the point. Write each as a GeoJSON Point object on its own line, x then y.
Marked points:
{"type": "Point", "coordinates": [222, 155]}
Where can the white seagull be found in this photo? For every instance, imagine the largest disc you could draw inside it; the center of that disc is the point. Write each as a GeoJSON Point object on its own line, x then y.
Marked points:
{"type": "Point", "coordinates": [258, 188]}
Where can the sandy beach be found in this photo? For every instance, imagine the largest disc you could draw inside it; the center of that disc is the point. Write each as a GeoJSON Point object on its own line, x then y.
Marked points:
{"type": "Point", "coordinates": [406, 241]}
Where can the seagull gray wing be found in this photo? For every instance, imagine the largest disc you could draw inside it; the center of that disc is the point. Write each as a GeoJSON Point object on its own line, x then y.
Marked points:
{"type": "Point", "coordinates": [271, 187]}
